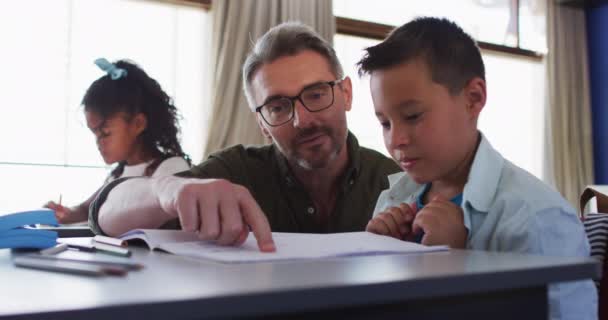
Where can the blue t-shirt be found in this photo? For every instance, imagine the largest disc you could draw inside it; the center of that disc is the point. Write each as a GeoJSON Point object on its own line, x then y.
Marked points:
{"type": "Point", "coordinates": [457, 200]}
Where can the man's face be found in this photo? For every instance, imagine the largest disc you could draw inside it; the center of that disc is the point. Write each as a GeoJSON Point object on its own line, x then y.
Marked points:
{"type": "Point", "coordinates": [312, 139]}
{"type": "Point", "coordinates": [427, 130]}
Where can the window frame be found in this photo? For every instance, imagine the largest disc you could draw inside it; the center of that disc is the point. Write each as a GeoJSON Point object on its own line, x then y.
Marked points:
{"type": "Point", "coordinates": [379, 31]}
{"type": "Point", "coordinates": [204, 4]}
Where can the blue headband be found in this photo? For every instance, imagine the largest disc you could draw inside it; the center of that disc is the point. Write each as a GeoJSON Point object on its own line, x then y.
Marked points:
{"type": "Point", "coordinates": [111, 69]}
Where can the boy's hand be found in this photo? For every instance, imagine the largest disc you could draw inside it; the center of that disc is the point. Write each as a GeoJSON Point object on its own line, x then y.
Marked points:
{"type": "Point", "coordinates": [442, 222]}
{"type": "Point", "coordinates": [395, 222]}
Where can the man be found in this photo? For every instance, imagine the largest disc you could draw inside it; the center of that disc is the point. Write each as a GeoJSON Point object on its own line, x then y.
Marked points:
{"type": "Point", "coordinates": [314, 177]}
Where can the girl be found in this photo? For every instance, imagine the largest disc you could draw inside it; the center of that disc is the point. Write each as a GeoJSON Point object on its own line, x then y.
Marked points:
{"type": "Point", "coordinates": [135, 125]}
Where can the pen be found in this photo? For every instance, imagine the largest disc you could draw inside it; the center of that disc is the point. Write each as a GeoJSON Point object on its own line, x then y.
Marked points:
{"type": "Point", "coordinates": [54, 250]}
{"type": "Point", "coordinates": [109, 249]}
{"type": "Point", "coordinates": [60, 199]}
{"type": "Point", "coordinates": [82, 247]}
{"type": "Point", "coordinates": [107, 262]}
{"type": "Point", "coordinates": [60, 266]}
{"type": "Point", "coordinates": [104, 261]}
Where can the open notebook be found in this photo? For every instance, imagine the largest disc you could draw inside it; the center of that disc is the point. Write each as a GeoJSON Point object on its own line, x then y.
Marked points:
{"type": "Point", "coordinates": [290, 246]}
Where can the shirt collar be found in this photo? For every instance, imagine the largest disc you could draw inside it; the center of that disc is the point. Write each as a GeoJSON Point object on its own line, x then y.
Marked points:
{"type": "Point", "coordinates": [354, 156]}
{"type": "Point", "coordinates": [352, 170]}
{"type": "Point", "coordinates": [484, 176]}
{"type": "Point", "coordinates": [400, 184]}
{"type": "Point", "coordinates": [481, 185]}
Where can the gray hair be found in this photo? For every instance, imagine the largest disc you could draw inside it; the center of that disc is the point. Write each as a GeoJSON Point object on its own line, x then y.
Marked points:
{"type": "Point", "coordinates": [286, 39]}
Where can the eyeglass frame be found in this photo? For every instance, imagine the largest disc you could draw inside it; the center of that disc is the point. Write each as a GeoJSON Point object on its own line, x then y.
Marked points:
{"type": "Point", "coordinates": [293, 99]}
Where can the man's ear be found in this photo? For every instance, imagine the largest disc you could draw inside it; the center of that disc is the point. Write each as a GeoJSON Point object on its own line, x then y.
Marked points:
{"type": "Point", "coordinates": [263, 127]}
{"type": "Point", "coordinates": [475, 94]}
{"type": "Point", "coordinates": [347, 88]}
{"type": "Point", "coordinates": [140, 122]}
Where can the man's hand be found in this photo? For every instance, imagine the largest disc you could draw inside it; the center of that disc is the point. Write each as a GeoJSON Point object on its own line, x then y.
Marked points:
{"type": "Point", "coordinates": [442, 222]}
{"type": "Point", "coordinates": [216, 209]}
{"type": "Point", "coordinates": [395, 222]}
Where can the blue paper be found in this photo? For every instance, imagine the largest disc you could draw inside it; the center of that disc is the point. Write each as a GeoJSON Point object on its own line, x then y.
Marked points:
{"type": "Point", "coordinates": [20, 219]}
{"type": "Point", "coordinates": [14, 235]}
{"type": "Point", "coordinates": [24, 232]}
{"type": "Point", "coordinates": [28, 238]}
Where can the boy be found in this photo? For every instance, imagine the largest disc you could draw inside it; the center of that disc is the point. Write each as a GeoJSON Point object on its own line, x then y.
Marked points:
{"type": "Point", "coordinates": [428, 88]}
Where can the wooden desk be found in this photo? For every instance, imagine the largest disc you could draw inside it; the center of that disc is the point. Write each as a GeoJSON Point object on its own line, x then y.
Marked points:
{"type": "Point", "coordinates": [466, 284]}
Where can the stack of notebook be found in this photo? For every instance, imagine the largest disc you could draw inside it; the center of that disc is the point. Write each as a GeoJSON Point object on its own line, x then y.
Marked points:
{"type": "Point", "coordinates": [15, 232]}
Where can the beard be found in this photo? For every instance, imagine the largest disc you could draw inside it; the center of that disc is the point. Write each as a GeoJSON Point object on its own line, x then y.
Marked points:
{"type": "Point", "coordinates": [318, 156]}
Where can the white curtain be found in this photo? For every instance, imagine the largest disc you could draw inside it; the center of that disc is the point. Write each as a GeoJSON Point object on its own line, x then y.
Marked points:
{"type": "Point", "coordinates": [569, 134]}
{"type": "Point", "coordinates": [236, 26]}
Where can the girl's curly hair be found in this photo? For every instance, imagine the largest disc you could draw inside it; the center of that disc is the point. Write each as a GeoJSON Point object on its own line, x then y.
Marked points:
{"type": "Point", "coordinates": [139, 93]}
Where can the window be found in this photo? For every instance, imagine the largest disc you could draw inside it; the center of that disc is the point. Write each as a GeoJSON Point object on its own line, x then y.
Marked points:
{"type": "Point", "coordinates": [511, 23]}
{"type": "Point", "coordinates": [49, 47]}
{"type": "Point", "coordinates": [47, 66]}
{"type": "Point", "coordinates": [513, 118]}
{"type": "Point", "coordinates": [362, 120]}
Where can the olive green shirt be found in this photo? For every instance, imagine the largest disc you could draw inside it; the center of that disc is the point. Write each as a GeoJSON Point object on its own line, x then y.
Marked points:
{"type": "Point", "coordinates": [264, 171]}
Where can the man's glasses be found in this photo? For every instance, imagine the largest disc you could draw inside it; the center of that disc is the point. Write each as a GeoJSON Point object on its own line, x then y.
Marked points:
{"type": "Point", "coordinates": [314, 98]}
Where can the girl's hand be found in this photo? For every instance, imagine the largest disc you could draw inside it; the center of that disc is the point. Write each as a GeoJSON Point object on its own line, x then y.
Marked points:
{"type": "Point", "coordinates": [64, 214]}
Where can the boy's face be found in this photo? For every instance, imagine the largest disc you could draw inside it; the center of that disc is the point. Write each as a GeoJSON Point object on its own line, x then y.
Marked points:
{"type": "Point", "coordinates": [311, 139]}
{"type": "Point", "coordinates": [428, 131]}
{"type": "Point", "coordinates": [117, 135]}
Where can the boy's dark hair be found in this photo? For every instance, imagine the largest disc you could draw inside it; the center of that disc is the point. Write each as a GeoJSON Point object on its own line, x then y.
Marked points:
{"type": "Point", "coordinates": [138, 93]}
{"type": "Point", "coordinates": [451, 55]}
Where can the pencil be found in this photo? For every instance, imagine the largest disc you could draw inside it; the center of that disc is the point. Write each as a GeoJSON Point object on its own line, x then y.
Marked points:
{"type": "Point", "coordinates": [60, 199]}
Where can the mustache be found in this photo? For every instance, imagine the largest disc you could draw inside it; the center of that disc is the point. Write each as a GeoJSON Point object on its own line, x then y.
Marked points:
{"type": "Point", "coordinates": [306, 133]}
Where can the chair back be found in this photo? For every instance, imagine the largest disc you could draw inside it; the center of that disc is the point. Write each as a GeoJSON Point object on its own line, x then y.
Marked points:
{"type": "Point", "coordinates": [596, 227]}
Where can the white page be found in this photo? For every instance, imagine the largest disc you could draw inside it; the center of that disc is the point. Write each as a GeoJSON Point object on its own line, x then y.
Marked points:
{"type": "Point", "coordinates": [292, 246]}
{"type": "Point", "coordinates": [154, 238]}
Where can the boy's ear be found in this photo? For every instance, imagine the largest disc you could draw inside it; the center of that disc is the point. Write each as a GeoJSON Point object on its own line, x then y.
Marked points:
{"type": "Point", "coordinates": [140, 122]}
{"type": "Point", "coordinates": [475, 94]}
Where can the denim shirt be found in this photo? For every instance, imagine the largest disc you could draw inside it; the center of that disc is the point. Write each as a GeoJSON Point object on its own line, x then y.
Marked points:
{"type": "Point", "coordinates": [508, 209]}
